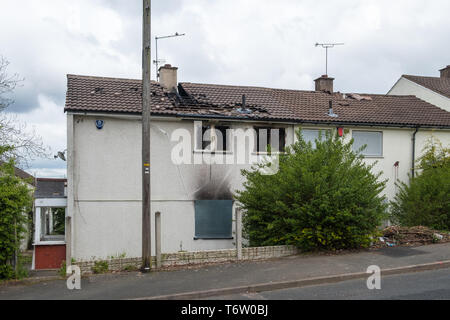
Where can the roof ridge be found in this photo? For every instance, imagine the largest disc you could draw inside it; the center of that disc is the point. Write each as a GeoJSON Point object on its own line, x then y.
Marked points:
{"type": "Point", "coordinates": [242, 86]}
{"type": "Point", "coordinates": [76, 76]}
{"type": "Point", "coordinates": [430, 77]}
{"type": "Point", "coordinates": [251, 87]}
{"type": "Point", "coordinates": [295, 90]}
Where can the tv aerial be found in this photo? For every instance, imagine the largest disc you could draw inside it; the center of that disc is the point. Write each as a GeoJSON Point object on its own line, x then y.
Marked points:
{"type": "Point", "coordinates": [327, 46]}
{"type": "Point", "coordinates": [157, 61]}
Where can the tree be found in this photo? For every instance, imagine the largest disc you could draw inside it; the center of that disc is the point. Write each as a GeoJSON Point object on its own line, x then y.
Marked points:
{"type": "Point", "coordinates": [322, 197]}
{"type": "Point", "coordinates": [7, 84]}
{"type": "Point", "coordinates": [24, 145]}
{"type": "Point", "coordinates": [425, 201]}
{"type": "Point", "coordinates": [15, 201]}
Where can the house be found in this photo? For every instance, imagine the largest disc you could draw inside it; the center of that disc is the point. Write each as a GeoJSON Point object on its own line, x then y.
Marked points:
{"type": "Point", "coordinates": [198, 132]}
{"type": "Point", "coordinates": [434, 90]}
{"type": "Point", "coordinates": [49, 243]}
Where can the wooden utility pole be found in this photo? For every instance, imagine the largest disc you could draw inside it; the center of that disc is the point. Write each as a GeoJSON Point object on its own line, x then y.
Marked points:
{"type": "Point", "coordinates": [146, 101]}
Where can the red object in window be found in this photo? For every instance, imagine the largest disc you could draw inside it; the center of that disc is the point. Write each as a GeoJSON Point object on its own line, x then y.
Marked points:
{"type": "Point", "coordinates": [341, 132]}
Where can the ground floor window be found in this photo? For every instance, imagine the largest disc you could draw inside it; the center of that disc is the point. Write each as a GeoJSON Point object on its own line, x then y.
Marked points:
{"type": "Point", "coordinates": [213, 219]}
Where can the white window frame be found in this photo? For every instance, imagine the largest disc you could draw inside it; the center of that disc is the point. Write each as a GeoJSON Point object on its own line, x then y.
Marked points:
{"type": "Point", "coordinates": [382, 143]}
{"type": "Point", "coordinates": [198, 126]}
{"type": "Point", "coordinates": [324, 130]}
{"type": "Point", "coordinates": [270, 127]}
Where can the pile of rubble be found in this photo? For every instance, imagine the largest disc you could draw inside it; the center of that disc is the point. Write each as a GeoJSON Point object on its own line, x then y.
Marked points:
{"type": "Point", "coordinates": [414, 236]}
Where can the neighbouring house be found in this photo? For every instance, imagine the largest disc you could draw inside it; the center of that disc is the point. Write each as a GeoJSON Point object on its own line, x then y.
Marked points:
{"type": "Point", "coordinates": [435, 90]}
{"type": "Point", "coordinates": [197, 132]}
{"type": "Point", "coordinates": [50, 202]}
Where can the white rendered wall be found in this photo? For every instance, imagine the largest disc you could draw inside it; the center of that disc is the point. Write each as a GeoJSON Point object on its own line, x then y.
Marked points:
{"type": "Point", "coordinates": [106, 184]}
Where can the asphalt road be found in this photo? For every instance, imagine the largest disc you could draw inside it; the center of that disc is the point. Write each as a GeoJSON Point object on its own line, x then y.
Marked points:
{"type": "Point", "coordinates": [428, 285]}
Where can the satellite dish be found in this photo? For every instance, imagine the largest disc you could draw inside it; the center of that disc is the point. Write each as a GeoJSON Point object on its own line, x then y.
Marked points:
{"type": "Point", "coordinates": [61, 155]}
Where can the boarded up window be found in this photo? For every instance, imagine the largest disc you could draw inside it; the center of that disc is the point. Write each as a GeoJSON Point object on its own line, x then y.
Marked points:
{"type": "Point", "coordinates": [213, 219]}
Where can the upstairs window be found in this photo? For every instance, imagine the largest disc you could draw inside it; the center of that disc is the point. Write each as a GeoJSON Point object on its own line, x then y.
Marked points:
{"type": "Point", "coordinates": [373, 141]}
{"type": "Point", "coordinates": [311, 135]}
{"type": "Point", "coordinates": [273, 137]}
{"type": "Point", "coordinates": [213, 138]}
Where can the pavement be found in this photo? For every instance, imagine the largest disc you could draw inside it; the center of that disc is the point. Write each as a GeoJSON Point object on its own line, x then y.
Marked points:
{"type": "Point", "coordinates": [235, 278]}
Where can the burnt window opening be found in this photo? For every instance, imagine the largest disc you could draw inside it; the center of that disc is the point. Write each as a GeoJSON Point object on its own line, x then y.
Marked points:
{"type": "Point", "coordinates": [213, 138]}
{"type": "Point", "coordinates": [269, 137]}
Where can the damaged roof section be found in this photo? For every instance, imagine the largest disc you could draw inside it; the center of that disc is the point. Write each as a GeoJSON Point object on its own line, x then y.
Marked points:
{"type": "Point", "coordinates": [112, 95]}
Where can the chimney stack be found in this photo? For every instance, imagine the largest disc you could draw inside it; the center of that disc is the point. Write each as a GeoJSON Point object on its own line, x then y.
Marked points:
{"type": "Point", "coordinates": [324, 83]}
{"type": "Point", "coordinates": [168, 77]}
{"type": "Point", "coordinates": [445, 73]}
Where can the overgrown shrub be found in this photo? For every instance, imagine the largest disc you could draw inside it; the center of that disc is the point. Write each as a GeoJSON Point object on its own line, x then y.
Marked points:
{"type": "Point", "coordinates": [323, 197]}
{"type": "Point", "coordinates": [425, 201]}
{"type": "Point", "coordinates": [15, 199]}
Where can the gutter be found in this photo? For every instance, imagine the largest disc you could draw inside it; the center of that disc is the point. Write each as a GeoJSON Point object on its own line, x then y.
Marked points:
{"type": "Point", "coordinates": [331, 123]}
{"type": "Point", "coordinates": [136, 115]}
{"type": "Point", "coordinates": [413, 173]}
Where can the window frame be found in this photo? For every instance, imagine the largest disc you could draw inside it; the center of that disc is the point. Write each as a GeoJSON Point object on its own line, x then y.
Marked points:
{"type": "Point", "coordinates": [381, 155]}
{"type": "Point", "coordinates": [269, 138]}
{"type": "Point", "coordinates": [213, 138]}
{"type": "Point", "coordinates": [199, 231]}
{"type": "Point", "coordinates": [323, 130]}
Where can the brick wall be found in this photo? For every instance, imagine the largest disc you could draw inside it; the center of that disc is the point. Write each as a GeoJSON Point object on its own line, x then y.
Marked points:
{"type": "Point", "coordinates": [196, 258]}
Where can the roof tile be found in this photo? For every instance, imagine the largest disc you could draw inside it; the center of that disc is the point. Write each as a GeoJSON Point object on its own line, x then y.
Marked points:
{"type": "Point", "coordinates": [439, 85]}
{"type": "Point", "coordinates": [94, 94]}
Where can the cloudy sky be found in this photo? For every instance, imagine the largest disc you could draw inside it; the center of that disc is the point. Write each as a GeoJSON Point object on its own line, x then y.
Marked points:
{"type": "Point", "coordinates": [246, 42]}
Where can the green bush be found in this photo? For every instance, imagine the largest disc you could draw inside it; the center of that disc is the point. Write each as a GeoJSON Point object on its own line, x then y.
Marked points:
{"type": "Point", "coordinates": [425, 201]}
{"type": "Point", "coordinates": [322, 197]}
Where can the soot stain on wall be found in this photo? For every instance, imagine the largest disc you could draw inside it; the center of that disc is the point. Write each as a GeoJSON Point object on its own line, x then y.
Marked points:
{"type": "Point", "coordinates": [213, 188]}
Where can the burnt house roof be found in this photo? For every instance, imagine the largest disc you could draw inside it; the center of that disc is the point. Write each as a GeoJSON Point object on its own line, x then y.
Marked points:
{"type": "Point", "coordinates": [436, 84]}
{"type": "Point", "coordinates": [50, 188]}
{"type": "Point", "coordinates": [95, 94]}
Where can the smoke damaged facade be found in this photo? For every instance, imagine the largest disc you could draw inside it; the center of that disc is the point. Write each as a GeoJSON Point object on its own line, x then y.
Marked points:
{"type": "Point", "coordinates": [202, 136]}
